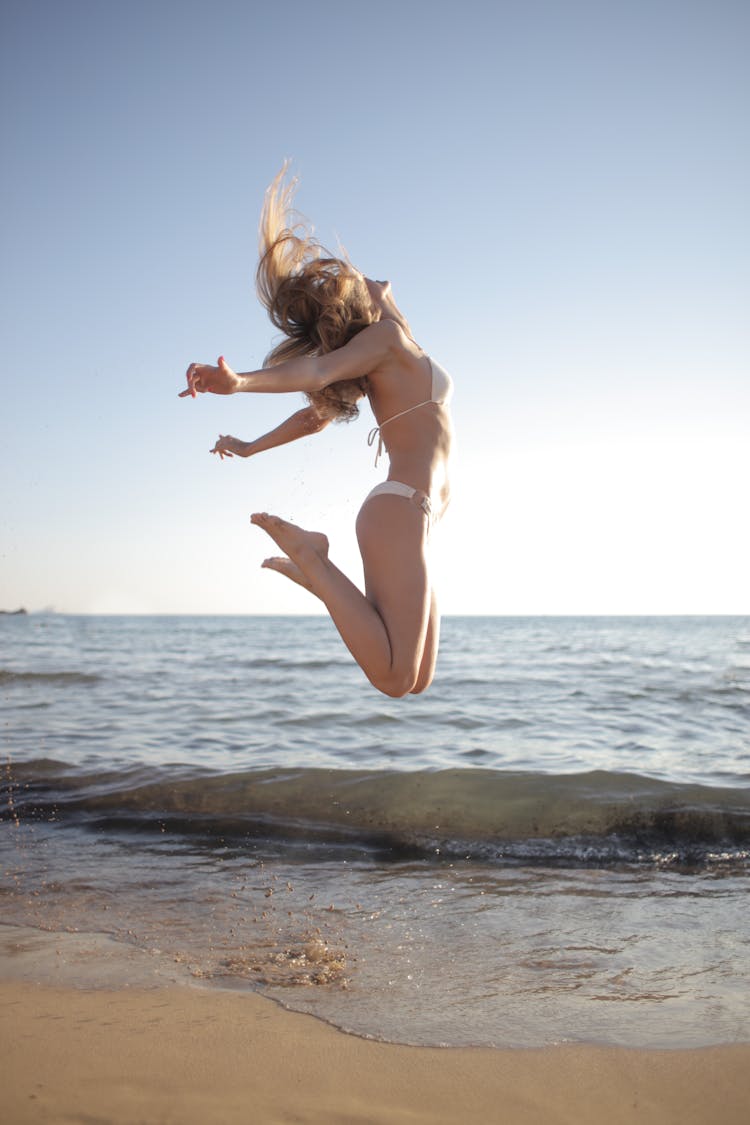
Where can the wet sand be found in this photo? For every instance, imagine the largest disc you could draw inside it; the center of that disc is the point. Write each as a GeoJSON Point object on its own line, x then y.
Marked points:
{"type": "Point", "coordinates": [179, 1054]}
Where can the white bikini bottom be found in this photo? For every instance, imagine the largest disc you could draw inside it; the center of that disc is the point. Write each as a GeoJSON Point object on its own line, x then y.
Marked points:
{"type": "Point", "coordinates": [396, 488]}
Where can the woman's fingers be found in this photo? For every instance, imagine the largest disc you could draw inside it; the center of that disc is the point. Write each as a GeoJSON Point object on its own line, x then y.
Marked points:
{"type": "Point", "coordinates": [221, 446]}
{"type": "Point", "coordinates": [202, 377]}
{"type": "Point", "coordinates": [193, 381]}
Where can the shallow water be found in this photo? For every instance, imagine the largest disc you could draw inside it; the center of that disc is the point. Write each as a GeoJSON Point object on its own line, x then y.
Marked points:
{"type": "Point", "coordinates": [553, 843]}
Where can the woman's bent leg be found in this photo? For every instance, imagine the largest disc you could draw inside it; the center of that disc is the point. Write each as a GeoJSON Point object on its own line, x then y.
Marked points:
{"type": "Point", "coordinates": [430, 651]}
{"type": "Point", "coordinates": [392, 537]}
{"type": "Point", "coordinates": [385, 631]}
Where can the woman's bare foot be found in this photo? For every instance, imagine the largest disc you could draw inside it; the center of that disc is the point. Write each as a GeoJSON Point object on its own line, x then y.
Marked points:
{"type": "Point", "coordinates": [289, 569]}
{"type": "Point", "coordinates": [302, 547]}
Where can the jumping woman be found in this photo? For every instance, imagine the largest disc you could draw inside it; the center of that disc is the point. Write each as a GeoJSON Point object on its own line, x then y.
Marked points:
{"type": "Point", "coordinates": [347, 339]}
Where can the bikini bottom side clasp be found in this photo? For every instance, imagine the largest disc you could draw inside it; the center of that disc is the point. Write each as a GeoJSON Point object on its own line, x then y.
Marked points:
{"type": "Point", "coordinates": [396, 488]}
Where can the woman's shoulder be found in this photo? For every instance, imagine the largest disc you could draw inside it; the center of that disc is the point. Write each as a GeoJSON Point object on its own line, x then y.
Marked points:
{"type": "Point", "coordinates": [378, 348]}
{"type": "Point", "coordinates": [387, 332]}
{"type": "Point", "coordinates": [388, 336]}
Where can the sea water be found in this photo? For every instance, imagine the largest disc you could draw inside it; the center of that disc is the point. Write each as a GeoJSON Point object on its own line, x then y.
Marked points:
{"type": "Point", "coordinates": [551, 844]}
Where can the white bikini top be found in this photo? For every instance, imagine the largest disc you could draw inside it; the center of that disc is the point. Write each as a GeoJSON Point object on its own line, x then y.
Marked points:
{"type": "Point", "coordinates": [442, 389]}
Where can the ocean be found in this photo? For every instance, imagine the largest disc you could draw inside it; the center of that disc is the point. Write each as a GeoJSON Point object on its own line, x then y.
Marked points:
{"type": "Point", "coordinates": [551, 845]}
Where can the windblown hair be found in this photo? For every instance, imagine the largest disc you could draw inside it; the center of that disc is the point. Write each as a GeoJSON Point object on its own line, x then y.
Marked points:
{"type": "Point", "coordinates": [317, 300]}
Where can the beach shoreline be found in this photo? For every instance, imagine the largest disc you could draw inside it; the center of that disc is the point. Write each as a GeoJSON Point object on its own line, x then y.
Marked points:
{"type": "Point", "coordinates": [172, 1052]}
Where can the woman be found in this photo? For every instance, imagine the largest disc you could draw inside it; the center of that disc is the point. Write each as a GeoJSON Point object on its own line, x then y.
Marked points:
{"type": "Point", "coordinates": [347, 339]}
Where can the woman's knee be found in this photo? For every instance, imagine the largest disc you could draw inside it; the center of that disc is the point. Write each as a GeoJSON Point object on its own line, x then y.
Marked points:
{"type": "Point", "coordinates": [397, 682]}
{"type": "Point", "coordinates": [422, 684]}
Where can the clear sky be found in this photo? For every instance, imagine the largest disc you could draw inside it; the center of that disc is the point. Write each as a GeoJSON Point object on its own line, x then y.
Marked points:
{"type": "Point", "coordinates": [558, 192]}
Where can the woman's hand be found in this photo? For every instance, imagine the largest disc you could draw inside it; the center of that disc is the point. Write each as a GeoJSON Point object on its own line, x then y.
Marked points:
{"type": "Point", "coordinates": [219, 380]}
{"type": "Point", "coordinates": [228, 446]}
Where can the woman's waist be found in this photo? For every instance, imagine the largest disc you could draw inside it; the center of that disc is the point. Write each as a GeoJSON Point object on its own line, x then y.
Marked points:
{"type": "Point", "coordinates": [426, 462]}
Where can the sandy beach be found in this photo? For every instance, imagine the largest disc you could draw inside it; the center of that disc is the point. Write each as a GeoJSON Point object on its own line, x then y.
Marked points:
{"type": "Point", "coordinates": [190, 1055]}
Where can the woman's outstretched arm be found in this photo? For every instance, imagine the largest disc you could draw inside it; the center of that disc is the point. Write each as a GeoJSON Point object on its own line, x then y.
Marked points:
{"type": "Point", "coordinates": [359, 357]}
{"type": "Point", "coordinates": [310, 420]}
{"type": "Point", "coordinates": [294, 375]}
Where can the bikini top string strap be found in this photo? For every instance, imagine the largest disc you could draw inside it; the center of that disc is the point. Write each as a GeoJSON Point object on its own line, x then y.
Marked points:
{"type": "Point", "coordinates": [376, 430]}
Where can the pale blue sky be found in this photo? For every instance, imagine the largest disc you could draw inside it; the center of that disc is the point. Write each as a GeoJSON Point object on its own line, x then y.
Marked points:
{"type": "Point", "coordinates": [558, 192]}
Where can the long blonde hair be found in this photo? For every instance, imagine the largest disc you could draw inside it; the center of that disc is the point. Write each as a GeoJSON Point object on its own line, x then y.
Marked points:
{"type": "Point", "coordinates": [317, 300]}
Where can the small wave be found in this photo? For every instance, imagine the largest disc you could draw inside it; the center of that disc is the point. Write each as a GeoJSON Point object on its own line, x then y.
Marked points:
{"type": "Point", "coordinates": [8, 676]}
{"type": "Point", "coordinates": [277, 664]}
{"type": "Point", "coordinates": [590, 818]}
{"type": "Point", "coordinates": [310, 719]}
